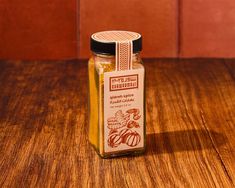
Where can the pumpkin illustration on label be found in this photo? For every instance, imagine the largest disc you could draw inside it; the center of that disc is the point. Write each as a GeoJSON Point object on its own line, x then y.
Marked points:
{"type": "Point", "coordinates": [132, 139]}
{"type": "Point", "coordinates": [114, 140]}
{"type": "Point", "coordinates": [123, 133]}
{"type": "Point", "coordinates": [122, 128]}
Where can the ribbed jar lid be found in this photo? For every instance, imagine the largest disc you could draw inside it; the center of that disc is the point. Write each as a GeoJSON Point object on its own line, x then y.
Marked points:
{"type": "Point", "coordinates": [104, 42]}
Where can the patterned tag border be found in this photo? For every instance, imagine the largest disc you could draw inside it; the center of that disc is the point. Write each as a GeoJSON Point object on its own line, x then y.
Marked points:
{"type": "Point", "coordinates": [124, 52]}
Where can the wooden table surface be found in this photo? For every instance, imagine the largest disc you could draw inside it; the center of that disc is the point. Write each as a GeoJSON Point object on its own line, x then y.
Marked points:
{"type": "Point", "coordinates": [190, 127]}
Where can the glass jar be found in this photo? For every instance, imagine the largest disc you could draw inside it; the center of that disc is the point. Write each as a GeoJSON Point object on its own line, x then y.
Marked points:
{"type": "Point", "coordinates": [116, 96]}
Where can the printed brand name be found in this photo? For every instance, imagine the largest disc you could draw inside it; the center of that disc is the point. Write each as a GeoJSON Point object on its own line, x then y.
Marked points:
{"type": "Point", "coordinates": [123, 82]}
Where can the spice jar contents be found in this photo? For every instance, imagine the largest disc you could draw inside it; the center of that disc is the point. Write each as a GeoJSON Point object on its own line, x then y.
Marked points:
{"type": "Point", "coordinates": [116, 94]}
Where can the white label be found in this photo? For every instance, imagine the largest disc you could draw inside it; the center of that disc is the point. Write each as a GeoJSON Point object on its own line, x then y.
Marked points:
{"type": "Point", "coordinates": [123, 110]}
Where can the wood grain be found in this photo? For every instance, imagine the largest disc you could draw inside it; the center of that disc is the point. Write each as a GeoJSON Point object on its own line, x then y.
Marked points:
{"type": "Point", "coordinates": [190, 127]}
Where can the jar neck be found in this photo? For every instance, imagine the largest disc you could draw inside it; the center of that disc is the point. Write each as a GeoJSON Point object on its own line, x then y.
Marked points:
{"type": "Point", "coordinates": [111, 58]}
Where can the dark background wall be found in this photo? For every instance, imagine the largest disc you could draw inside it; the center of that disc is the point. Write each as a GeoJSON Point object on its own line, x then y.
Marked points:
{"type": "Point", "coordinates": [38, 29]}
{"type": "Point", "coordinates": [60, 29]}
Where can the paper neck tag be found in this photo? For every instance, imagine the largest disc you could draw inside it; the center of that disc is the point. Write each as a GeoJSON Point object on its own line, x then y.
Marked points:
{"type": "Point", "coordinates": [123, 56]}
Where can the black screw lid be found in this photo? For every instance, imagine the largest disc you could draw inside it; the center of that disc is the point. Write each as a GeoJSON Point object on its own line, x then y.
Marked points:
{"type": "Point", "coordinates": [105, 42]}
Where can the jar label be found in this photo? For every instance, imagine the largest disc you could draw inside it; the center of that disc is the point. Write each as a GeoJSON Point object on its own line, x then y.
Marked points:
{"type": "Point", "coordinates": [123, 110]}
